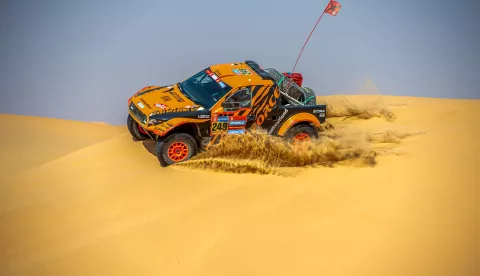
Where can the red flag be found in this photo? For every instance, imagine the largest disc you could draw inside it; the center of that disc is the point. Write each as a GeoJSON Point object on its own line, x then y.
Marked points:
{"type": "Point", "coordinates": [333, 7]}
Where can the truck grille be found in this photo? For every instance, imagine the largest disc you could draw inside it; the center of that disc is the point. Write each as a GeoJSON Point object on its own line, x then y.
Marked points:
{"type": "Point", "coordinates": [138, 114]}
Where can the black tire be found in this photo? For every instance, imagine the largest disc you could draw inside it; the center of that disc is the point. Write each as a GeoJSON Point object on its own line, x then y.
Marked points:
{"type": "Point", "coordinates": [134, 131]}
{"type": "Point", "coordinates": [309, 94]}
{"type": "Point", "coordinates": [164, 145]}
{"type": "Point", "coordinates": [301, 129]}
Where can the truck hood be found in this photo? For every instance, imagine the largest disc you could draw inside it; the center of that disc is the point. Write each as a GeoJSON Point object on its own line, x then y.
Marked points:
{"type": "Point", "coordinates": [160, 99]}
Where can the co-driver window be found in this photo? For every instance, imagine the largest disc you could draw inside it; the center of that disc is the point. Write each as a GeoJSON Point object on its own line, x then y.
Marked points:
{"type": "Point", "coordinates": [240, 99]}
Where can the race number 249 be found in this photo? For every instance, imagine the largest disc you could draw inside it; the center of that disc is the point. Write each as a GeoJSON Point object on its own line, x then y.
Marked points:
{"type": "Point", "coordinates": [219, 126]}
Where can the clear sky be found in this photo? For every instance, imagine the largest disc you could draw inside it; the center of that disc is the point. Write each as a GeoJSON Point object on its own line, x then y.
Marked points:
{"type": "Point", "coordinates": [81, 60]}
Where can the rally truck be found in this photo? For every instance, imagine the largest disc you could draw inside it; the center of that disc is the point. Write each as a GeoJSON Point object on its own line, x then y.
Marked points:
{"type": "Point", "coordinates": [223, 99]}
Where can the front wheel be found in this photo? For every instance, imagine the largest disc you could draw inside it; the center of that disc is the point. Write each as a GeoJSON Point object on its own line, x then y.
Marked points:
{"type": "Point", "coordinates": [176, 148]}
{"type": "Point", "coordinates": [137, 132]}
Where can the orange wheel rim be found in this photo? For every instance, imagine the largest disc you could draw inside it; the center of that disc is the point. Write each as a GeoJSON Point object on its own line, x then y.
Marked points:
{"type": "Point", "coordinates": [178, 151]}
{"type": "Point", "coordinates": [301, 137]}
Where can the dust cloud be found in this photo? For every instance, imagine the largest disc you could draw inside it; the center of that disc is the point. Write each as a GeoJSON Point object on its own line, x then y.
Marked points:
{"type": "Point", "coordinates": [341, 107]}
{"type": "Point", "coordinates": [338, 145]}
{"type": "Point", "coordinates": [258, 152]}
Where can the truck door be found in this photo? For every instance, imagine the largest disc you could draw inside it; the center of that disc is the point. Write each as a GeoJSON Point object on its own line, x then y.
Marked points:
{"type": "Point", "coordinates": [265, 107]}
{"type": "Point", "coordinates": [233, 116]}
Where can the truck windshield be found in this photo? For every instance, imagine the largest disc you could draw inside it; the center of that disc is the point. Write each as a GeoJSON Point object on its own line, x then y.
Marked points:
{"type": "Point", "coordinates": [204, 88]}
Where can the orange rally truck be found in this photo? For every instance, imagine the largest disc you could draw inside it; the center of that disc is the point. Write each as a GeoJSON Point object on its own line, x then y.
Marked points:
{"type": "Point", "coordinates": [223, 99]}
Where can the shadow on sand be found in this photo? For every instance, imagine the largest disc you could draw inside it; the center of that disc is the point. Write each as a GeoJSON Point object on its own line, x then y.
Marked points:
{"type": "Point", "coordinates": [149, 145]}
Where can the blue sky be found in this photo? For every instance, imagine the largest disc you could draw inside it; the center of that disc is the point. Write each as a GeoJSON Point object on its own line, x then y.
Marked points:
{"type": "Point", "coordinates": [81, 60]}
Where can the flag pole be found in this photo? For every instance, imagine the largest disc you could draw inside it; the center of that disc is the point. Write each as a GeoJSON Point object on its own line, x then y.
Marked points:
{"type": "Point", "coordinates": [293, 70]}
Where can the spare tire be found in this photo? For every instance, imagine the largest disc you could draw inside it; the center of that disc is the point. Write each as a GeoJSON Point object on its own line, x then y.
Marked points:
{"type": "Point", "coordinates": [310, 96]}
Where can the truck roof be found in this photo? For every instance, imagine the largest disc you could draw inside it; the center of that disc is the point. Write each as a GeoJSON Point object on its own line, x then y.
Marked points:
{"type": "Point", "coordinates": [242, 74]}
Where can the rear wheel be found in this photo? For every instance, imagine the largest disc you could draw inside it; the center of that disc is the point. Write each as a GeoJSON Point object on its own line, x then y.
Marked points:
{"type": "Point", "coordinates": [137, 132]}
{"type": "Point", "coordinates": [301, 133]}
{"type": "Point", "coordinates": [310, 96]}
{"type": "Point", "coordinates": [176, 148]}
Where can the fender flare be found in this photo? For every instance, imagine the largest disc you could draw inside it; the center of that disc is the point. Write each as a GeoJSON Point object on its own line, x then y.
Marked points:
{"type": "Point", "coordinates": [298, 118]}
{"type": "Point", "coordinates": [164, 128]}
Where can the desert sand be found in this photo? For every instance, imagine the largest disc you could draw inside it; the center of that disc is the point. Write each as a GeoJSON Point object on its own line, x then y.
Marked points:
{"type": "Point", "coordinates": [392, 189]}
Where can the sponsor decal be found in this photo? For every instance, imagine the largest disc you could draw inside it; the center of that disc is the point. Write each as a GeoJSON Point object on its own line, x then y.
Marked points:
{"type": "Point", "coordinates": [175, 95]}
{"type": "Point", "coordinates": [236, 131]}
{"type": "Point", "coordinates": [280, 119]}
{"type": "Point", "coordinates": [161, 106]}
{"type": "Point", "coordinates": [237, 123]}
{"type": "Point", "coordinates": [236, 72]}
{"type": "Point", "coordinates": [237, 118]}
{"type": "Point", "coordinates": [204, 116]}
{"type": "Point", "coordinates": [141, 105]}
{"type": "Point", "coordinates": [321, 112]}
{"type": "Point", "coordinates": [216, 78]}
{"type": "Point", "coordinates": [166, 98]}
{"type": "Point", "coordinates": [173, 110]}
{"type": "Point", "coordinates": [264, 107]}
{"type": "Point", "coordinates": [244, 71]}
{"type": "Point", "coordinates": [236, 127]}
{"type": "Point", "coordinates": [222, 119]}
{"type": "Point", "coordinates": [164, 127]}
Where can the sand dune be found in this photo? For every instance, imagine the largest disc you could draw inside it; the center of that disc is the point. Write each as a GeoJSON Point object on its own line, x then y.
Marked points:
{"type": "Point", "coordinates": [392, 189]}
{"type": "Point", "coordinates": [27, 141]}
